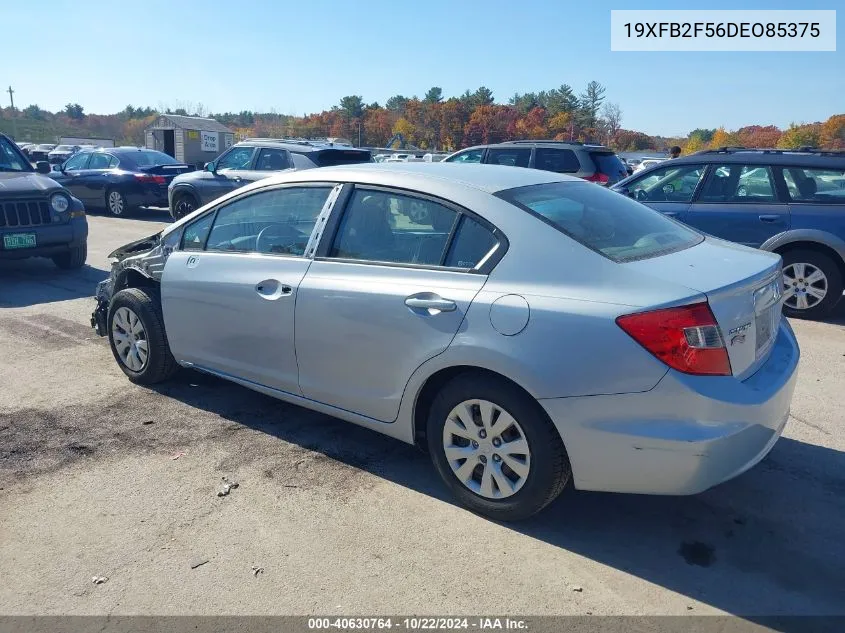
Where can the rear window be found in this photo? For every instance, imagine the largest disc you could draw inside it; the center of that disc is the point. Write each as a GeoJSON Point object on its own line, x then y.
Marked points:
{"type": "Point", "coordinates": [332, 157]}
{"type": "Point", "coordinates": [609, 223]}
{"type": "Point", "coordinates": [609, 164]}
{"type": "Point", "coordinates": [149, 158]}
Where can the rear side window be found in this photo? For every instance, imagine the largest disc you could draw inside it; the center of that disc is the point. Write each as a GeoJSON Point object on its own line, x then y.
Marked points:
{"type": "Point", "coordinates": [611, 224]}
{"type": "Point", "coordinates": [332, 157]}
{"type": "Point", "coordinates": [825, 186]}
{"type": "Point", "coordinates": [738, 184]}
{"type": "Point", "coordinates": [608, 163]}
{"type": "Point", "coordinates": [510, 156]}
{"type": "Point", "coordinates": [150, 158]}
{"type": "Point", "coordinates": [472, 244]}
{"type": "Point", "coordinates": [272, 159]}
{"type": "Point", "coordinates": [562, 161]}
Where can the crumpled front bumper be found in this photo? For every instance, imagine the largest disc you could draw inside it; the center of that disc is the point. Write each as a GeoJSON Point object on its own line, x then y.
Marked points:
{"type": "Point", "coordinates": [99, 318]}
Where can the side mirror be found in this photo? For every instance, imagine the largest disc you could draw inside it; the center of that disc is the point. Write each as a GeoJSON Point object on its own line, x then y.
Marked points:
{"type": "Point", "coordinates": [42, 167]}
{"type": "Point", "coordinates": [212, 167]}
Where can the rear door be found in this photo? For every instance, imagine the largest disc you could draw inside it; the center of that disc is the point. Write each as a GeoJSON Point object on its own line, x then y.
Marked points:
{"type": "Point", "coordinates": [740, 203]}
{"type": "Point", "coordinates": [385, 293]}
{"type": "Point", "coordinates": [668, 189]}
{"type": "Point", "coordinates": [228, 294]}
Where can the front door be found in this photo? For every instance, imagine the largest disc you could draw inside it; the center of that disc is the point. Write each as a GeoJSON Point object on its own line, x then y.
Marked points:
{"type": "Point", "coordinates": [739, 203]}
{"type": "Point", "coordinates": [668, 189]}
{"type": "Point", "coordinates": [387, 293]}
{"type": "Point", "coordinates": [97, 178]}
{"type": "Point", "coordinates": [231, 171]}
{"type": "Point", "coordinates": [73, 176]}
{"type": "Point", "coordinates": [228, 294]}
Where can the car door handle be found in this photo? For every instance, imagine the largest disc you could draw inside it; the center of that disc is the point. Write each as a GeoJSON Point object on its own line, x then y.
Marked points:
{"type": "Point", "coordinates": [769, 218]}
{"type": "Point", "coordinates": [272, 289]}
{"type": "Point", "coordinates": [671, 214]}
{"type": "Point", "coordinates": [417, 302]}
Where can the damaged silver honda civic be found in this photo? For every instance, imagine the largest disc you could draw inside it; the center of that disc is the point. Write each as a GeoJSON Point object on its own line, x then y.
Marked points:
{"type": "Point", "coordinates": [528, 329]}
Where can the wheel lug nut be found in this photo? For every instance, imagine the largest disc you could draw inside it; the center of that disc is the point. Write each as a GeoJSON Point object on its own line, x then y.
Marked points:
{"type": "Point", "coordinates": [496, 457]}
{"type": "Point", "coordinates": [483, 459]}
{"type": "Point", "coordinates": [482, 434]}
{"type": "Point", "coordinates": [474, 444]}
{"type": "Point", "coordinates": [497, 441]}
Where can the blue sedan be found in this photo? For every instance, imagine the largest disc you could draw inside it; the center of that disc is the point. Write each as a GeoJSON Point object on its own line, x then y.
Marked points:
{"type": "Point", "coordinates": [119, 179]}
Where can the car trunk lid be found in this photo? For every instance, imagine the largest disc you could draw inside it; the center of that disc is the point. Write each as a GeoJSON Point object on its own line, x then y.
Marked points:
{"type": "Point", "coordinates": [743, 288]}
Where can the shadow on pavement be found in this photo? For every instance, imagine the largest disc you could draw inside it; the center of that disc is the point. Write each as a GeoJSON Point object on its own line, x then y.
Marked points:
{"type": "Point", "coordinates": [26, 282]}
{"type": "Point", "coordinates": [145, 214]}
{"type": "Point", "coordinates": [767, 543]}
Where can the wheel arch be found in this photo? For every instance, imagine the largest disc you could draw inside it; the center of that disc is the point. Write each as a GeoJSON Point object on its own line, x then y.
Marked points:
{"type": "Point", "coordinates": [812, 245]}
{"type": "Point", "coordinates": [434, 382]}
{"type": "Point", "coordinates": [133, 278]}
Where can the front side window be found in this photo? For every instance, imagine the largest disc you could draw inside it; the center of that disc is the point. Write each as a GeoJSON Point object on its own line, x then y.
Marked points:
{"type": "Point", "coordinates": [274, 222]}
{"type": "Point", "coordinates": [10, 159]}
{"type": "Point", "coordinates": [272, 159]}
{"type": "Point", "coordinates": [511, 156]}
{"type": "Point", "coordinates": [615, 226]}
{"type": "Point", "coordinates": [469, 156]}
{"type": "Point", "coordinates": [388, 227]}
{"type": "Point", "coordinates": [77, 161]}
{"type": "Point", "coordinates": [739, 184]}
{"type": "Point", "coordinates": [195, 234]}
{"type": "Point", "coordinates": [236, 158]}
{"type": "Point", "coordinates": [674, 183]}
{"type": "Point", "coordinates": [825, 186]}
{"type": "Point", "coordinates": [562, 161]}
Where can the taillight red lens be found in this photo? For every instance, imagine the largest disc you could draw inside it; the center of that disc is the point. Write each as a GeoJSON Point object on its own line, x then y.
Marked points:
{"type": "Point", "coordinates": [151, 178]}
{"type": "Point", "coordinates": [686, 338]}
{"type": "Point", "coordinates": [598, 177]}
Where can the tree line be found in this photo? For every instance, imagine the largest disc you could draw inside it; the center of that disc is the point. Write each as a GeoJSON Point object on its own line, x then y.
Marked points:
{"type": "Point", "coordinates": [431, 122]}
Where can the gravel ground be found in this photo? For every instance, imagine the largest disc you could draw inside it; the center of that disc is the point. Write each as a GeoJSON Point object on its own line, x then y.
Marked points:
{"type": "Point", "coordinates": [99, 477]}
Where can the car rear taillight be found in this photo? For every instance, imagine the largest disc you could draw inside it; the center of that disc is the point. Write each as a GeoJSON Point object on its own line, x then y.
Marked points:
{"type": "Point", "coordinates": [599, 178]}
{"type": "Point", "coordinates": [686, 338]}
{"type": "Point", "coordinates": [150, 178]}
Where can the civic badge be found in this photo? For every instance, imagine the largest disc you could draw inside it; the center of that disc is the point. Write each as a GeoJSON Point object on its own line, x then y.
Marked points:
{"type": "Point", "coordinates": [193, 260]}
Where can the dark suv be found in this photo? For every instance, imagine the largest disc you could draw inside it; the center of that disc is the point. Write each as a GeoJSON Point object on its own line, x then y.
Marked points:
{"type": "Point", "coordinates": [595, 163]}
{"type": "Point", "coordinates": [38, 217]}
{"type": "Point", "coordinates": [790, 202]}
{"type": "Point", "coordinates": [251, 160]}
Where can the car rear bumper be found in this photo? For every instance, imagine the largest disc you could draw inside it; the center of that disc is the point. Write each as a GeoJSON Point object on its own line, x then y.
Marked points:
{"type": "Point", "coordinates": [50, 239]}
{"type": "Point", "coordinates": [684, 436]}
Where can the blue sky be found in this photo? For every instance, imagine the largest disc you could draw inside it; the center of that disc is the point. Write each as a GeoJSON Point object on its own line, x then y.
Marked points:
{"type": "Point", "coordinates": [303, 56]}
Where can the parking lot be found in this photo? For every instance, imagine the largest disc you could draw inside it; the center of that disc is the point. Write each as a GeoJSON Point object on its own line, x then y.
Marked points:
{"type": "Point", "coordinates": [99, 477]}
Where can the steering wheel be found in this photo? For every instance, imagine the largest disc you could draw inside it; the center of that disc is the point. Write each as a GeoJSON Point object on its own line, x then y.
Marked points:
{"type": "Point", "coordinates": [282, 231]}
{"type": "Point", "coordinates": [641, 195]}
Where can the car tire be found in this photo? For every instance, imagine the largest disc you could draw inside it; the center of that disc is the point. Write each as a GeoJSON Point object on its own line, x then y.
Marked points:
{"type": "Point", "coordinates": [183, 204]}
{"type": "Point", "coordinates": [116, 203]}
{"type": "Point", "coordinates": [810, 263]}
{"type": "Point", "coordinates": [546, 462]}
{"type": "Point", "coordinates": [73, 258]}
{"type": "Point", "coordinates": [143, 304]}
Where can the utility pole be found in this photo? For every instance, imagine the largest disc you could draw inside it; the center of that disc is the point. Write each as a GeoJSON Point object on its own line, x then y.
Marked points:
{"type": "Point", "coordinates": [14, 123]}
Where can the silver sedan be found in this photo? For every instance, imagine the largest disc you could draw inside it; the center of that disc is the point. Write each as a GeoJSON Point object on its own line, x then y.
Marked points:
{"type": "Point", "coordinates": [529, 329]}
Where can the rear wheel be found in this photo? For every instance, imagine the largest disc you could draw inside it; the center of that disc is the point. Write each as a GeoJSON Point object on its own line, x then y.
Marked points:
{"type": "Point", "coordinates": [137, 337]}
{"type": "Point", "coordinates": [72, 259]}
{"type": "Point", "coordinates": [116, 203]}
{"type": "Point", "coordinates": [495, 448]}
{"type": "Point", "coordinates": [812, 284]}
{"type": "Point", "coordinates": [183, 204]}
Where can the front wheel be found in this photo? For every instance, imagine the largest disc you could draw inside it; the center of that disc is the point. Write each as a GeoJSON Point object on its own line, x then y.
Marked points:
{"type": "Point", "coordinates": [495, 448]}
{"type": "Point", "coordinates": [137, 337]}
{"type": "Point", "coordinates": [812, 284]}
{"type": "Point", "coordinates": [183, 205]}
{"type": "Point", "coordinates": [73, 258]}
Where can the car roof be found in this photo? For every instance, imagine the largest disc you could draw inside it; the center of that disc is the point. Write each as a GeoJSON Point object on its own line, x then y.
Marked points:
{"type": "Point", "coordinates": [294, 145]}
{"type": "Point", "coordinates": [487, 178]}
{"type": "Point", "coordinates": [545, 143]}
{"type": "Point", "coordinates": [833, 160]}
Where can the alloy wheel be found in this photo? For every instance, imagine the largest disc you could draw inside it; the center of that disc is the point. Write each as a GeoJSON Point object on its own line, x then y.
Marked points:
{"type": "Point", "coordinates": [486, 449]}
{"type": "Point", "coordinates": [184, 206]}
{"type": "Point", "coordinates": [130, 339]}
{"type": "Point", "coordinates": [805, 285]}
{"type": "Point", "coordinates": [116, 203]}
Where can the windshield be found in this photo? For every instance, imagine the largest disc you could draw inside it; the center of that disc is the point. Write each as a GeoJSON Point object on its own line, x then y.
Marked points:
{"type": "Point", "coordinates": [607, 222]}
{"type": "Point", "coordinates": [149, 158]}
{"type": "Point", "coordinates": [11, 158]}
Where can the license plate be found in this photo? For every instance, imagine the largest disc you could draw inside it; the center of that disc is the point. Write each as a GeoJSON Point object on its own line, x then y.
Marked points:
{"type": "Point", "coordinates": [19, 240]}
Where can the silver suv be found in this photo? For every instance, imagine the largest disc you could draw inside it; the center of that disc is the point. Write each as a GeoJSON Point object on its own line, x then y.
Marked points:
{"type": "Point", "coordinates": [595, 163]}
{"type": "Point", "coordinates": [251, 160]}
